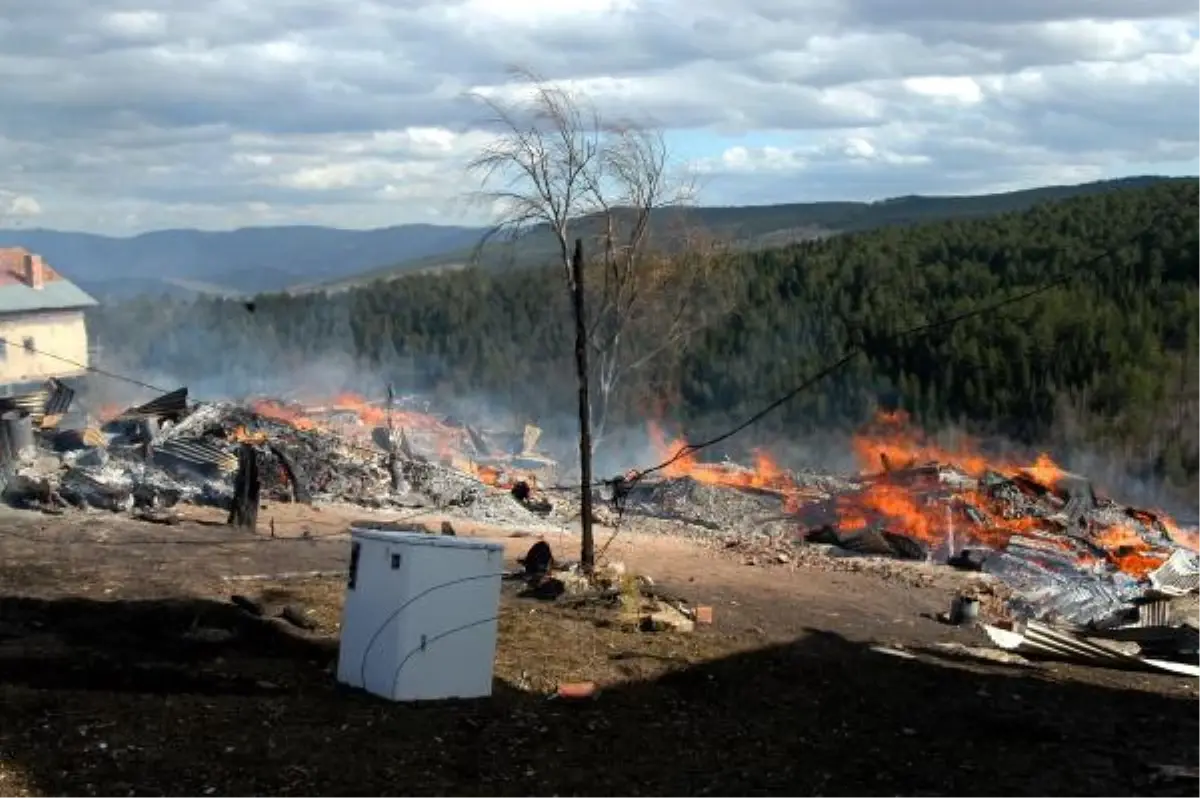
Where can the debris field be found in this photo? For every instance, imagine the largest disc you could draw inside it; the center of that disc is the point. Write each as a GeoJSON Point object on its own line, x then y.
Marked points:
{"type": "Point", "coordinates": [1058, 551]}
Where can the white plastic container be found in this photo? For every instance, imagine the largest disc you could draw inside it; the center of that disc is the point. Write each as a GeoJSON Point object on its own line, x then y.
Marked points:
{"type": "Point", "coordinates": [421, 614]}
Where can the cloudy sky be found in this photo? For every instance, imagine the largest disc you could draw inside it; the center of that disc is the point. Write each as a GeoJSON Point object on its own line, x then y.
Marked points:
{"type": "Point", "coordinates": [127, 115]}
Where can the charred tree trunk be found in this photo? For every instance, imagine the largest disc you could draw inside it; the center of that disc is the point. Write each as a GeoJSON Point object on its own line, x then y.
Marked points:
{"type": "Point", "coordinates": [587, 550]}
{"type": "Point", "coordinates": [393, 462]}
{"type": "Point", "coordinates": [246, 486]}
{"type": "Point", "coordinates": [8, 460]}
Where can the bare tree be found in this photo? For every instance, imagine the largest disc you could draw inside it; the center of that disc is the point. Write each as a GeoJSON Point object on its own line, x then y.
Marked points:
{"type": "Point", "coordinates": [557, 166]}
{"type": "Point", "coordinates": [543, 168]}
{"type": "Point", "coordinates": [647, 296]}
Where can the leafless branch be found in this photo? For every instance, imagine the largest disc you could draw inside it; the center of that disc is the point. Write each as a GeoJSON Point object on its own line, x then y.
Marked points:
{"type": "Point", "coordinates": [556, 165]}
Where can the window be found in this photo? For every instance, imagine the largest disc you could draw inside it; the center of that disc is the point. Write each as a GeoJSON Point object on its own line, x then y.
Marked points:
{"type": "Point", "coordinates": [3, 349]}
{"type": "Point", "coordinates": [28, 343]}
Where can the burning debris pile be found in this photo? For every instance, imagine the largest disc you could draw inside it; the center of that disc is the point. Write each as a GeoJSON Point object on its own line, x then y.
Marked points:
{"type": "Point", "coordinates": [748, 501]}
{"type": "Point", "coordinates": [1066, 553]}
{"type": "Point", "coordinates": [165, 452]}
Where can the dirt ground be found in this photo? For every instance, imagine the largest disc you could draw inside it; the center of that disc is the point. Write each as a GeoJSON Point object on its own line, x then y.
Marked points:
{"type": "Point", "coordinates": [125, 669]}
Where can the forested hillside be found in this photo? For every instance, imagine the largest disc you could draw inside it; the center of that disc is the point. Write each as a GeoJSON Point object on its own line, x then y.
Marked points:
{"type": "Point", "coordinates": [757, 226]}
{"type": "Point", "coordinates": [1106, 359]}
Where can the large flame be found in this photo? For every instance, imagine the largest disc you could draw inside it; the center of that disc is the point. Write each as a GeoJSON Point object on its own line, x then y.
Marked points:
{"type": "Point", "coordinates": [351, 415]}
{"type": "Point", "coordinates": [315, 415]}
{"type": "Point", "coordinates": [276, 411]}
{"type": "Point", "coordinates": [935, 508]}
{"type": "Point", "coordinates": [765, 474]}
{"type": "Point", "coordinates": [891, 441]}
{"type": "Point", "coordinates": [375, 415]}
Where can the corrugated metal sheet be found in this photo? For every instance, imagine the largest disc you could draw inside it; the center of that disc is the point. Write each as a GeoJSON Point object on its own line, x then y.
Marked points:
{"type": "Point", "coordinates": [60, 397]}
{"type": "Point", "coordinates": [1037, 639]}
{"type": "Point", "coordinates": [1179, 575]}
{"type": "Point", "coordinates": [1169, 642]}
{"type": "Point", "coordinates": [1155, 613]}
{"type": "Point", "coordinates": [30, 404]}
{"type": "Point", "coordinates": [58, 401]}
{"type": "Point", "coordinates": [55, 295]}
{"type": "Point", "coordinates": [199, 453]}
{"type": "Point", "coordinates": [173, 404]}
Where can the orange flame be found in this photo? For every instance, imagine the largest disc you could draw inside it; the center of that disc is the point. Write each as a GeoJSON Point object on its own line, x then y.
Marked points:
{"type": "Point", "coordinates": [243, 435]}
{"type": "Point", "coordinates": [924, 508]}
{"type": "Point", "coordinates": [276, 411]}
{"type": "Point", "coordinates": [487, 475]}
{"type": "Point", "coordinates": [1187, 538]}
{"type": "Point", "coordinates": [766, 474]}
{"type": "Point", "coordinates": [1127, 551]}
{"type": "Point", "coordinates": [891, 441]}
{"type": "Point", "coordinates": [447, 440]}
{"type": "Point", "coordinates": [366, 412]}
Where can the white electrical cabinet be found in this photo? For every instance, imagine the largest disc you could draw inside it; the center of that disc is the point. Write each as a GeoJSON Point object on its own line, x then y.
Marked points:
{"type": "Point", "coordinates": [421, 614]}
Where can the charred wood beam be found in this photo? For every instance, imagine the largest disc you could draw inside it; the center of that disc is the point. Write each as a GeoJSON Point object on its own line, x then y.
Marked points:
{"type": "Point", "coordinates": [482, 448]}
{"type": "Point", "coordinates": [300, 491]}
{"type": "Point", "coordinates": [246, 488]}
{"type": "Point", "coordinates": [407, 450]}
{"type": "Point", "coordinates": [395, 474]}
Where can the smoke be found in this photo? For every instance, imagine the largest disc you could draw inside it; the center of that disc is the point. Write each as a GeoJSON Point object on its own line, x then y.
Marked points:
{"type": "Point", "coordinates": [1112, 476]}
{"type": "Point", "coordinates": [218, 360]}
{"type": "Point", "coordinates": [224, 351]}
{"type": "Point", "coordinates": [221, 351]}
{"type": "Point", "coordinates": [311, 379]}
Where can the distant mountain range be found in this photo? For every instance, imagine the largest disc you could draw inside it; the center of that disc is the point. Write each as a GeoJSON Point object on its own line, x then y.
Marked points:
{"type": "Point", "coordinates": [306, 258]}
{"type": "Point", "coordinates": [247, 261]}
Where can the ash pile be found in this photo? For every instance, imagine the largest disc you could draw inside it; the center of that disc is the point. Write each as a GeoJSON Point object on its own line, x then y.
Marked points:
{"type": "Point", "coordinates": [168, 452]}
{"type": "Point", "coordinates": [729, 499]}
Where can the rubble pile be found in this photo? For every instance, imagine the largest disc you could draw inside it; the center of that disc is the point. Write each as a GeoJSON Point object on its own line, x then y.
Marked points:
{"type": "Point", "coordinates": [702, 504]}
{"type": "Point", "coordinates": [1064, 553]}
{"type": "Point", "coordinates": [163, 453]}
{"type": "Point", "coordinates": [736, 500]}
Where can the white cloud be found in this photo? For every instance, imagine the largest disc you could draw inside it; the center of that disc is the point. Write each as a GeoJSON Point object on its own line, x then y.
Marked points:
{"type": "Point", "coordinates": [121, 114]}
{"type": "Point", "coordinates": [18, 207]}
{"type": "Point", "coordinates": [959, 89]}
{"type": "Point", "coordinates": [134, 24]}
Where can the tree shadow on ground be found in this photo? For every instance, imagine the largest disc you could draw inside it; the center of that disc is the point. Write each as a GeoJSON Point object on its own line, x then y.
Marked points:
{"type": "Point", "coordinates": [116, 698]}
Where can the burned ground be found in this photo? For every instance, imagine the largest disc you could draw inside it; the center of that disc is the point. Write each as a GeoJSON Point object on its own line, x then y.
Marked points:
{"type": "Point", "coordinates": [125, 669]}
